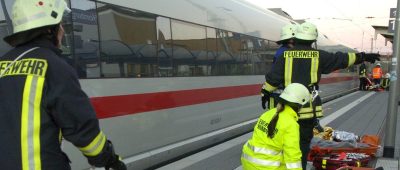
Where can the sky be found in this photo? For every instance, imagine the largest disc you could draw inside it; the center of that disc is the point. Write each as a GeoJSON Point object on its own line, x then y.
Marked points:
{"type": "Point", "coordinates": [345, 21]}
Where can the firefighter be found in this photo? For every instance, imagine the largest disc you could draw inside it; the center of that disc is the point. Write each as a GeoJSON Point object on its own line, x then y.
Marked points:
{"type": "Point", "coordinates": [377, 75]}
{"type": "Point", "coordinates": [285, 41]}
{"type": "Point", "coordinates": [275, 143]}
{"type": "Point", "coordinates": [304, 64]}
{"type": "Point", "coordinates": [41, 98]}
{"type": "Point", "coordinates": [362, 74]}
{"type": "Point", "coordinates": [386, 82]}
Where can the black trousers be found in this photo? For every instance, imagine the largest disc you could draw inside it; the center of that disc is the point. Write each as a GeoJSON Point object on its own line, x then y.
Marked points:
{"type": "Point", "coordinates": [363, 83]}
{"type": "Point", "coordinates": [306, 135]}
{"type": "Point", "coordinates": [377, 81]}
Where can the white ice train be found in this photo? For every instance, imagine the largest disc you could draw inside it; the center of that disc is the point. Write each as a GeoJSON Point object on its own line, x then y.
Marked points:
{"type": "Point", "coordinates": [170, 77]}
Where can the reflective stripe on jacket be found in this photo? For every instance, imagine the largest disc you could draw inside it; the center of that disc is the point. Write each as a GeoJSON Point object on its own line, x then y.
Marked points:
{"type": "Point", "coordinates": [363, 71]}
{"type": "Point", "coordinates": [41, 102]}
{"type": "Point", "coordinates": [280, 152]}
{"type": "Point", "coordinates": [303, 64]}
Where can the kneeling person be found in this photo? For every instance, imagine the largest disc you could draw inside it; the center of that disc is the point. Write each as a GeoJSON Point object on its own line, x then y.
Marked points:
{"type": "Point", "coordinates": [275, 143]}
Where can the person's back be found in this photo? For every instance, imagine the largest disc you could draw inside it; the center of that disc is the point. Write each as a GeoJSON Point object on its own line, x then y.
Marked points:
{"type": "Point", "coordinates": [42, 102]}
{"type": "Point", "coordinates": [377, 72]}
{"type": "Point", "coordinates": [362, 74]}
{"type": "Point", "coordinates": [275, 140]}
{"type": "Point", "coordinates": [286, 126]}
{"type": "Point", "coordinates": [377, 75]}
{"type": "Point", "coordinates": [30, 126]}
{"type": "Point", "coordinates": [304, 64]}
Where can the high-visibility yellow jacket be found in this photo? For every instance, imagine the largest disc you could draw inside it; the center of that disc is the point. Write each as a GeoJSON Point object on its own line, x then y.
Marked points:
{"type": "Point", "coordinates": [280, 152]}
{"type": "Point", "coordinates": [304, 65]}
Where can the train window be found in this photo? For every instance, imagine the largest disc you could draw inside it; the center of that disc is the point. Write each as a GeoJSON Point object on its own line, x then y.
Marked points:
{"type": "Point", "coordinates": [164, 47]}
{"type": "Point", "coordinates": [189, 45]}
{"type": "Point", "coordinates": [209, 62]}
{"type": "Point", "coordinates": [262, 56]}
{"type": "Point", "coordinates": [228, 56]}
{"type": "Point", "coordinates": [127, 42]}
{"type": "Point", "coordinates": [85, 38]}
{"type": "Point", "coordinates": [5, 27]}
{"type": "Point", "coordinates": [67, 41]}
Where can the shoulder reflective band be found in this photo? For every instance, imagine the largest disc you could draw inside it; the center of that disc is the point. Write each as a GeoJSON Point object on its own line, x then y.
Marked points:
{"type": "Point", "coordinates": [96, 146]}
{"type": "Point", "coordinates": [352, 59]}
{"type": "Point", "coordinates": [30, 123]}
{"type": "Point", "coordinates": [314, 69]}
{"type": "Point", "coordinates": [263, 150]}
{"type": "Point", "coordinates": [324, 164]}
{"type": "Point", "coordinates": [294, 165]}
{"type": "Point", "coordinates": [260, 161]}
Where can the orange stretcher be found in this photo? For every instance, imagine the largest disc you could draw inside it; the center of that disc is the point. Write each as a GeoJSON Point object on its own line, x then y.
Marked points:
{"type": "Point", "coordinates": [371, 140]}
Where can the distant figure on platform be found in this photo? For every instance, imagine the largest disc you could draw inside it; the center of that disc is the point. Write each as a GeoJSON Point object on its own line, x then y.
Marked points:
{"type": "Point", "coordinates": [377, 74]}
{"type": "Point", "coordinates": [386, 82]}
{"type": "Point", "coordinates": [275, 143]}
{"type": "Point", "coordinates": [363, 76]}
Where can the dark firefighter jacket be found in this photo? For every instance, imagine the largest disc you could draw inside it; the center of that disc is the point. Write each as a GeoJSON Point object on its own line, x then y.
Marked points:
{"type": "Point", "coordinates": [41, 100]}
{"type": "Point", "coordinates": [305, 65]}
{"type": "Point", "coordinates": [362, 71]}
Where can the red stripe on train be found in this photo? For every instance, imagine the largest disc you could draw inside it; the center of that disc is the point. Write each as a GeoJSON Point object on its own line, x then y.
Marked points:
{"type": "Point", "coordinates": [112, 106]}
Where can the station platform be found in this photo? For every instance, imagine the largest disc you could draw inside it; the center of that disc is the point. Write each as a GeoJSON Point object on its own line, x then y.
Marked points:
{"type": "Point", "coordinates": [360, 112]}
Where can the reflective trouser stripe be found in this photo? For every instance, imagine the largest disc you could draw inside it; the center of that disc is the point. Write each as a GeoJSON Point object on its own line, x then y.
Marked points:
{"type": "Point", "coordinates": [271, 102]}
{"type": "Point", "coordinates": [263, 150]}
{"type": "Point", "coordinates": [293, 165]}
{"type": "Point", "coordinates": [314, 70]}
{"type": "Point", "coordinates": [288, 70]}
{"type": "Point", "coordinates": [30, 123]}
{"type": "Point", "coordinates": [306, 113]}
{"type": "Point", "coordinates": [311, 115]}
{"type": "Point", "coordinates": [260, 161]}
{"type": "Point", "coordinates": [352, 59]}
{"type": "Point", "coordinates": [96, 146]}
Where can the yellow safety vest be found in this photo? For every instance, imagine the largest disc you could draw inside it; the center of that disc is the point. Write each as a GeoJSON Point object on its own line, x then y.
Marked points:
{"type": "Point", "coordinates": [279, 153]}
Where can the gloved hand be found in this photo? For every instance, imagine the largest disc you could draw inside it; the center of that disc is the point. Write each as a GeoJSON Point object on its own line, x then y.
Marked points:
{"type": "Point", "coordinates": [318, 126]}
{"type": "Point", "coordinates": [116, 164]}
{"type": "Point", "coordinates": [370, 57]}
{"type": "Point", "coordinates": [264, 97]}
{"type": "Point", "coordinates": [107, 158]}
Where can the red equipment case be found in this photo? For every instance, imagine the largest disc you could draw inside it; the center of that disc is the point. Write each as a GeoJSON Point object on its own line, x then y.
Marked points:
{"type": "Point", "coordinates": [332, 162]}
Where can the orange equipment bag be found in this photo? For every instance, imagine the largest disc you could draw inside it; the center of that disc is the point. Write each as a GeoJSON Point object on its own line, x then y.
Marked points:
{"type": "Point", "coordinates": [334, 162]}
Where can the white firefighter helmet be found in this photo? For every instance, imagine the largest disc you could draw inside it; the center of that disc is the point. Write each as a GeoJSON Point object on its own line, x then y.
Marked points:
{"type": "Point", "coordinates": [31, 14]}
{"type": "Point", "coordinates": [378, 64]}
{"type": "Point", "coordinates": [287, 32]}
{"type": "Point", "coordinates": [296, 93]}
{"type": "Point", "coordinates": [387, 75]}
{"type": "Point", "coordinates": [306, 31]}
